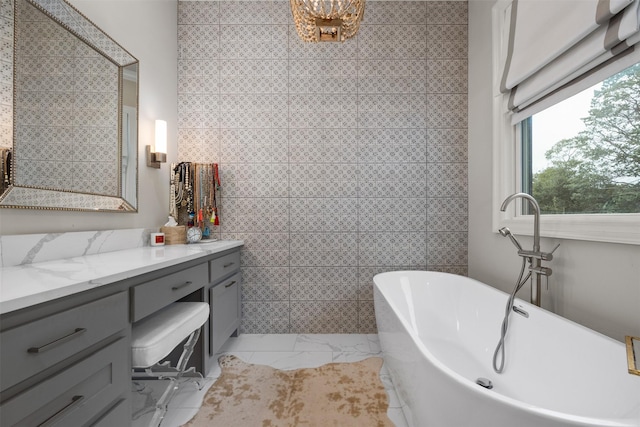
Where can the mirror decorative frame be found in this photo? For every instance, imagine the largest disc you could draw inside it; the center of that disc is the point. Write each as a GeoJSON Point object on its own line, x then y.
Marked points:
{"type": "Point", "coordinates": [633, 354]}
{"type": "Point", "coordinates": [121, 197]}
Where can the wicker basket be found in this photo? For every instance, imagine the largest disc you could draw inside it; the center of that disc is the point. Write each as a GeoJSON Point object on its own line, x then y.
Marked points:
{"type": "Point", "coordinates": [176, 235]}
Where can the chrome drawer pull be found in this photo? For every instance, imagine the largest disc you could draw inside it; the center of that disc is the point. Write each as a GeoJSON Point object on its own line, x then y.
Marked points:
{"type": "Point", "coordinates": [228, 265]}
{"type": "Point", "coordinates": [230, 284]}
{"type": "Point", "coordinates": [72, 335]}
{"type": "Point", "coordinates": [184, 285]}
{"type": "Point", "coordinates": [75, 400]}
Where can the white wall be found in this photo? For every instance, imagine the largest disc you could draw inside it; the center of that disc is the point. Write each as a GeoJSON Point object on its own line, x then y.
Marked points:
{"type": "Point", "coordinates": [148, 30]}
{"type": "Point", "coordinates": [595, 284]}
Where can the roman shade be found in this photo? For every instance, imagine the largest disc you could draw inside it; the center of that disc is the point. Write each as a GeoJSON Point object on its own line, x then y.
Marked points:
{"type": "Point", "coordinates": [555, 46]}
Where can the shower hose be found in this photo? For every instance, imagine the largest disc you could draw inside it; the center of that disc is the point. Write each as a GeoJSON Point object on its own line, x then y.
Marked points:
{"type": "Point", "coordinates": [499, 367]}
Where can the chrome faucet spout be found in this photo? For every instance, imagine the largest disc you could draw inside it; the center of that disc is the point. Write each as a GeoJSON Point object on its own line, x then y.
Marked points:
{"type": "Point", "coordinates": [536, 215]}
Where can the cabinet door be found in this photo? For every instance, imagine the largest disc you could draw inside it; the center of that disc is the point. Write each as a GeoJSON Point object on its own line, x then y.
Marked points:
{"type": "Point", "coordinates": [224, 299]}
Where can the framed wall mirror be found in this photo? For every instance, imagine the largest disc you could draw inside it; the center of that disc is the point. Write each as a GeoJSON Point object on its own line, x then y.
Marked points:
{"type": "Point", "coordinates": [69, 106]}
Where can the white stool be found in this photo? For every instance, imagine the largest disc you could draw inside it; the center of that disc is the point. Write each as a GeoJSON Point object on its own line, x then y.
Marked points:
{"type": "Point", "coordinates": [155, 336]}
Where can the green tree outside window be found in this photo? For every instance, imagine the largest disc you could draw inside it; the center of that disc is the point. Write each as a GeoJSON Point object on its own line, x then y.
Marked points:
{"type": "Point", "coordinates": [598, 170]}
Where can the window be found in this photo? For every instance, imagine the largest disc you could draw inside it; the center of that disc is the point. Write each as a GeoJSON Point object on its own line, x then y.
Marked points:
{"type": "Point", "coordinates": [582, 155]}
{"type": "Point", "coordinates": [520, 162]}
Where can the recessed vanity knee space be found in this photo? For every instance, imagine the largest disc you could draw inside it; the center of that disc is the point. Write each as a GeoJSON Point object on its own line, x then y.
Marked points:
{"type": "Point", "coordinates": [65, 326]}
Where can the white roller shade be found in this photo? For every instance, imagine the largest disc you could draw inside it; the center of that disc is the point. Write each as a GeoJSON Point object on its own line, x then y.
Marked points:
{"type": "Point", "coordinates": [552, 43]}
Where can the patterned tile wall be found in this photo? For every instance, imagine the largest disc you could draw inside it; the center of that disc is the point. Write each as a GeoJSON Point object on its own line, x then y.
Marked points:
{"type": "Point", "coordinates": [65, 94]}
{"type": "Point", "coordinates": [338, 161]}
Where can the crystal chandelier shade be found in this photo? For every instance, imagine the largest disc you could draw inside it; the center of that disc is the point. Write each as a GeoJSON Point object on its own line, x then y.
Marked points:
{"type": "Point", "coordinates": [327, 20]}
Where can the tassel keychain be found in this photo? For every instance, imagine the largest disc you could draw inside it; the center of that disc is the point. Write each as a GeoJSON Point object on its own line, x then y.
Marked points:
{"type": "Point", "coordinates": [214, 214]}
{"type": "Point", "coordinates": [214, 218]}
{"type": "Point", "coordinates": [216, 177]}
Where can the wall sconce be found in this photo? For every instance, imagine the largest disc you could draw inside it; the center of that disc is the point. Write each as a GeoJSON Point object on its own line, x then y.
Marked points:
{"type": "Point", "coordinates": [160, 155]}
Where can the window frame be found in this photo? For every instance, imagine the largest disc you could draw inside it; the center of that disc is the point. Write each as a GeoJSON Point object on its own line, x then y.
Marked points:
{"type": "Point", "coordinates": [507, 172]}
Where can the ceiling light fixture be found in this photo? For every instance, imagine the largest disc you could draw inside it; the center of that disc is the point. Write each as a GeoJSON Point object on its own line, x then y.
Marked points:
{"type": "Point", "coordinates": [327, 20]}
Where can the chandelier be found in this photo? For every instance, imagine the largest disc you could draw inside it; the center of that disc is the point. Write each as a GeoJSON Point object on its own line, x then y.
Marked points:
{"type": "Point", "coordinates": [327, 20]}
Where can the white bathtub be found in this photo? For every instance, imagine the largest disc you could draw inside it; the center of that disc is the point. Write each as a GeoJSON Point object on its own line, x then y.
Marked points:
{"type": "Point", "coordinates": [438, 332]}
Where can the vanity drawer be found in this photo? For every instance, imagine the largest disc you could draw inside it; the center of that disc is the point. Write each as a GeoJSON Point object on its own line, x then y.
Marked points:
{"type": "Point", "coordinates": [35, 346]}
{"type": "Point", "coordinates": [223, 266]}
{"type": "Point", "coordinates": [152, 296]}
{"type": "Point", "coordinates": [74, 396]}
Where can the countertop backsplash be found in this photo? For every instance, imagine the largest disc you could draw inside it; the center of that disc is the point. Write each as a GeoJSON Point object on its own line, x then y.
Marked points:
{"type": "Point", "coordinates": [31, 248]}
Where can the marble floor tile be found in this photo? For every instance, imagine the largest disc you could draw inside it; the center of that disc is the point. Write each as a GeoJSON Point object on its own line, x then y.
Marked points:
{"type": "Point", "coordinates": [351, 356]}
{"type": "Point", "coordinates": [374, 343]}
{"type": "Point", "coordinates": [215, 370]}
{"type": "Point", "coordinates": [333, 343]}
{"type": "Point", "coordinates": [397, 417]}
{"type": "Point", "coordinates": [188, 396]}
{"type": "Point", "coordinates": [286, 351]}
{"type": "Point", "coordinates": [287, 360]}
{"type": "Point", "coordinates": [259, 342]}
{"type": "Point", "coordinates": [394, 401]}
{"type": "Point", "coordinates": [176, 417]}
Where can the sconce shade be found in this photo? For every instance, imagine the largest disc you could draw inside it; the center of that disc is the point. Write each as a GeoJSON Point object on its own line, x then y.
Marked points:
{"type": "Point", "coordinates": [161, 136]}
{"type": "Point", "coordinates": [155, 158]}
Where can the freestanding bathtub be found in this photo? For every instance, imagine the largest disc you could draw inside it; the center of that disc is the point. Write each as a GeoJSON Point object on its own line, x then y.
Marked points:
{"type": "Point", "coordinates": [438, 332]}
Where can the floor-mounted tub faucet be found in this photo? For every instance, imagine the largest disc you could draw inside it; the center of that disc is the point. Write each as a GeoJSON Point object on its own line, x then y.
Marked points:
{"type": "Point", "coordinates": [535, 256]}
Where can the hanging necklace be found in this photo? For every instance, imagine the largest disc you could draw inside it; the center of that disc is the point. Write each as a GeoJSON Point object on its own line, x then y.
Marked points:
{"type": "Point", "coordinates": [173, 210]}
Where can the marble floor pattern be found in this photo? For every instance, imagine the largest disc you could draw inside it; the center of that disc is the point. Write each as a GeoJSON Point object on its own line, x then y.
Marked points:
{"type": "Point", "coordinates": [286, 351]}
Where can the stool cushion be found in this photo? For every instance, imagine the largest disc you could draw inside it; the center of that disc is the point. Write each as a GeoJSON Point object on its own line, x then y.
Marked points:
{"type": "Point", "coordinates": [155, 336]}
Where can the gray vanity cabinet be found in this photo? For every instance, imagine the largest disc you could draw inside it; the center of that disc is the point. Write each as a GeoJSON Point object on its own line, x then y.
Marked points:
{"type": "Point", "coordinates": [68, 367]}
{"type": "Point", "coordinates": [224, 300]}
{"type": "Point", "coordinates": [67, 362]}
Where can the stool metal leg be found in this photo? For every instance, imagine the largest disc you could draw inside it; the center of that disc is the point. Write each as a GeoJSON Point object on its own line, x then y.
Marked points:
{"type": "Point", "coordinates": [174, 375]}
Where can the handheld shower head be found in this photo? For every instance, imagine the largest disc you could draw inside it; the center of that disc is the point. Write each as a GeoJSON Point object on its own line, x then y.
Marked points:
{"type": "Point", "coordinates": [505, 232]}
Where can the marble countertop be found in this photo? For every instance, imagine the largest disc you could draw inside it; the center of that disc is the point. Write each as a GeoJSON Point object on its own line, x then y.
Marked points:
{"type": "Point", "coordinates": [30, 284]}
